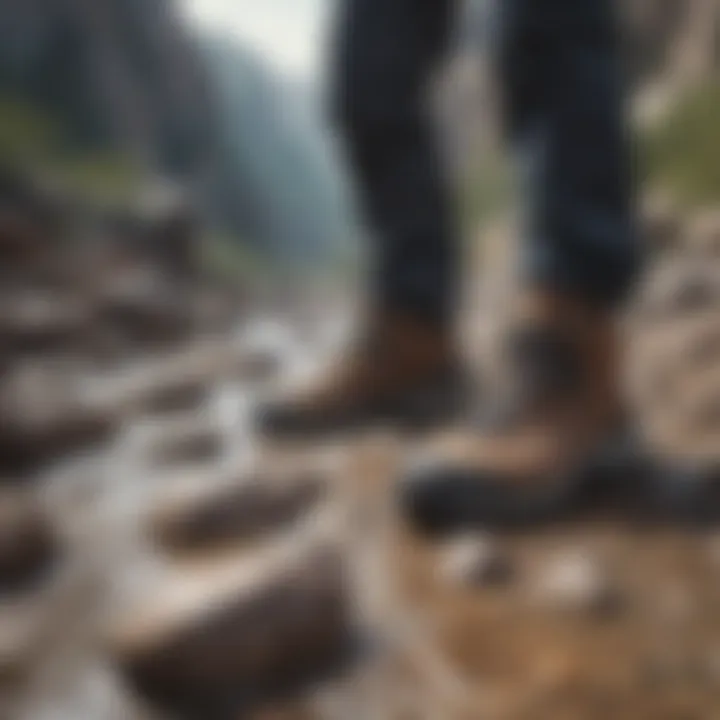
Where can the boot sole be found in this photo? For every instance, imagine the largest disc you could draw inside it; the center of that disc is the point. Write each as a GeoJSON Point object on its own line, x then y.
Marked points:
{"type": "Point", "coordinates": [439, 403]}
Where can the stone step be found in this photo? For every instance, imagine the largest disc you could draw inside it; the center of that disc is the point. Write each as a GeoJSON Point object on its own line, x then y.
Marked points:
{"type": "Point", "coordinates": [42, 419]}
{"type": "Point", "coordinates": [34, 323]}
{"type": "Point", "coordinates": [144, 308]}
{"type": "Point", "coordinates": [232, 632]}
{"type": "Point", "coordinates": [178, 381]}
{"type": "Point", "coordinates": [190, 438]}
{"type": "Point", "coordinates": [29, 546]}
{"type": "Point", "coordinates": [23, 630]}
{"type": "Point", "coordinates": [244, 509]}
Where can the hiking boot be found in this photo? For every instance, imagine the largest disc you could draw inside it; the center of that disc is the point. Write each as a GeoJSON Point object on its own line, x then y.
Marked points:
{"type": "Point", "coordinates": [527, 457]}
{"type": "Point", "coordinates": [403, 372]}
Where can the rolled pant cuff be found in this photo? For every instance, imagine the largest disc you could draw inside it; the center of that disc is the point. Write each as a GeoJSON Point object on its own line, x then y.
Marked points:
{"type": "Point", "coordinates": [605, 285]}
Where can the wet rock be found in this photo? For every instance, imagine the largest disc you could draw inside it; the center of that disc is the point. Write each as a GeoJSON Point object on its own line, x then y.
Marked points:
{"type": "Point", "coordinates": [153, 388]}
{"type": "Point", "coordinates": [576, 582]}
{"type": "Point", "coordinates": [244, 510]}
{"type": "Point", "coordinates": [264, 346]}
{"type": "Point", "coordinates": [171, 383]}
{"type": "Point", "coordinates": [28, 545]}
{"type": "Point", "coordinates": [145, 309]}
{"type": "Point", "coordinates": [234, 632]}
{"type": "Point", "coordinates": [42, 323]}
{"type": "Point", "coordinates": [42, 419]}
{"type": "Point", "coordinates": [476, 561]}
{"type": "Point", "coordinates": [186, 440]}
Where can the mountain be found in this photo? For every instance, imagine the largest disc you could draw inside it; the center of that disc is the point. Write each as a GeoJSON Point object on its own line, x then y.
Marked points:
{"type": "Point", "coordinates": [116, 72]}
{"type": "Point", "coordinates": [274, 164]}
{"type": "Point", "coordinates": [128, 75]}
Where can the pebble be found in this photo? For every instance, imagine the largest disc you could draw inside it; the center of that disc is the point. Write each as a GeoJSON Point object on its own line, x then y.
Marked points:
{"type": "Point", "coordinates": [476, 561]}
{"type": "Point", "coordinates": [575, 581]}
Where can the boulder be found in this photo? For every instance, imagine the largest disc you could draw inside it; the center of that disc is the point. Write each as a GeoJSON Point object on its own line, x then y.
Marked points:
{"type": "Point", "coordinates": [43, 419]}
{"type": "Point", "coordinates": [28, 544]}
{"type": "Point", "coordinates": [187, 439]}
{"type": "Point", "coordinates": [210, 640]}
{"type": "Point", "coordinates": [244, 510]}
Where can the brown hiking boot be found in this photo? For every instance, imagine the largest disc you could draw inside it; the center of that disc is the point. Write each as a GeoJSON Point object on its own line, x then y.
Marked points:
{"type": "Point", "coordinates": [404, 372]}
{"type": "Point", "coordinates": [528, 456]}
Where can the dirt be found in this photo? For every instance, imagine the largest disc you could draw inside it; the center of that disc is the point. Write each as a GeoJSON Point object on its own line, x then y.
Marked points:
{"type": "Point", "coordinates": [608, 613]}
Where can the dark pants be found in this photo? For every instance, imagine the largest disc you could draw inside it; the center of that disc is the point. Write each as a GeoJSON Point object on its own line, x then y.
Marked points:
{"type": "Point", "coordinates": [561, 83]}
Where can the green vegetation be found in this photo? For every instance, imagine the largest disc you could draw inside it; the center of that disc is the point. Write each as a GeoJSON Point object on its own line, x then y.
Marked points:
{"type": "Point", "coordinates": [227, 257]}
{"type": "Point", "coordinates": [26, 135]}
{"type": "Point", "coordinates": [488, 192]}
{"type": "Point", "coordinates": [682, 153]}
{"type": "Point", "coordinates": [31, 139]}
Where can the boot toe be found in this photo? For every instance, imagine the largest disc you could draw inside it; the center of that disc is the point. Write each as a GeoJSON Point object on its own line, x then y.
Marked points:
{"type": "Point", "coordinates": [433, 496]}
{"type": "Point", "coordinates": [440, 498]}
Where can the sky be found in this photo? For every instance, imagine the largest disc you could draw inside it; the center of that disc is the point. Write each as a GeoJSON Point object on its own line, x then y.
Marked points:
{"type": "Point", "coordinates": [288, 34]}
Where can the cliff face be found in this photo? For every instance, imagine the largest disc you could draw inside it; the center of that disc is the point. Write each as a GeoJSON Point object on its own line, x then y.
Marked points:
{"type": "Point", "coordinates": [127, 74]}
{"type": "Point", "coordinates": [118, 71]}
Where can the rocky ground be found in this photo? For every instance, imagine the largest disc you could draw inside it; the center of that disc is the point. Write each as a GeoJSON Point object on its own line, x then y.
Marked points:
{"type": "Point", "coordinates": [157, 561]}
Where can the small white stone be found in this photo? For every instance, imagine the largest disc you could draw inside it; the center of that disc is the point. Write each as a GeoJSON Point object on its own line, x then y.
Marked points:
{"type": "Point", "coordinates": [576, 581]}
{"type": "Point", "coordinates": [476, 560]}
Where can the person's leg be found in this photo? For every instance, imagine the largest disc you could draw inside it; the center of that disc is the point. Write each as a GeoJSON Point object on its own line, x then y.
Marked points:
{"type": "Point", "coordinates": [558, 62]}
{"type": "Point", "coordinates": [559, 65]}
{"type": "Point", "coordinates": [386, 54]}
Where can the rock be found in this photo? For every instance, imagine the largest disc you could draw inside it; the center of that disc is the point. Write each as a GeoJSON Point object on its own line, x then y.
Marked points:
{"type": "Point", "coordinates": [661, 223]}
{"type": "Point", "coordinates": [679, 286]}
{"type": "Point", "coordinates": [42, 323]}
{"type": "Point", "coordinates": [21, 636]}
{"type": "Point", "coordinates": [476, 561]}
{"type": "Point", "coordinates": [28, 545]}
{"type": "Point", "coordinates": [703, 232]}
{"type": "Point", "coordinates": [211, 516]}
{"type": "Point", "coordinates": [42, 419]}
{"type": "Point", "coordinates": [186, 440]}
{"type": "Point", "coordinates": [575, 582]}
{"type": "Point", "coordinates": [705, 349]}
{"type": "Point", "coordinates": [149, 390]}
{"type": "Point", "coordinates": [697, 405]}
{"type": "Point", "coordinates": [144, 308]}
{"type": "Point", "coordinates": [21, 239]}
{"type": "Point", "coordinates": [178, 381]}
{"type": "Point", "coordinates": [264, 346]}
{"type": "Point", "coordinates": [233, 632]}
{"type": "Point", "coordinates": [169, 230]}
